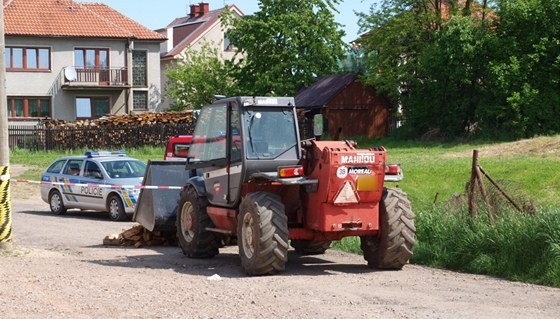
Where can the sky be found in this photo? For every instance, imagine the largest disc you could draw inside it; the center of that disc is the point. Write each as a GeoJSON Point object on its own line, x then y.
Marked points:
{"type": "Point", "coordinates": [158, 14]}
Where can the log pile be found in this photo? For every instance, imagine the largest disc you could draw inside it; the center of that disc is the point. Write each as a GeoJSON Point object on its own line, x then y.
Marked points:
{"type": "Point", "coordinates": [138, 236]}
{"type": "Point", "coordinates": [118, 131]}
{"type": "Point", "coordinates": [135, 120]}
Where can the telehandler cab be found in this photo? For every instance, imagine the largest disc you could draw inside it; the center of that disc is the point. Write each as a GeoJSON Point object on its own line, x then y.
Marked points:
{"type": "Point", "coordinates": [250, 180]}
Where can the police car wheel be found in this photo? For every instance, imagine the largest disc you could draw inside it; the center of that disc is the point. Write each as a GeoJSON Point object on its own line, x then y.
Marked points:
{"type": "Point", "coordinates": [116, 208]}
{"type": "Point", "coordinates": [56, 204]}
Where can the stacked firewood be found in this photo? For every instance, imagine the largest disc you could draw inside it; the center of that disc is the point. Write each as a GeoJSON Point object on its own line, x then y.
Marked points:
{"type": "Point", "coordinates": [142, 119]}
{"type": "Point", "coordinates": [118, 131]}
{"type": "Point", "coordinates": [138, 236]}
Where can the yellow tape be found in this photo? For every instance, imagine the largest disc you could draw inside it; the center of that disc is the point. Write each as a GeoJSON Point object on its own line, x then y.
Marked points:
{"type": "Point", "coordinates": [5, 205]}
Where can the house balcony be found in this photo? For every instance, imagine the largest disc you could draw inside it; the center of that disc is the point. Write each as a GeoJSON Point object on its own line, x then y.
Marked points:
{"type": "Point", "coordinates": [73, 78]}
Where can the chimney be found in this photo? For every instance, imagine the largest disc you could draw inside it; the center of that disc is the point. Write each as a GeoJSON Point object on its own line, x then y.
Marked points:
{"type": "Point", "coordinates": [204, 8]}
{"type": "Point", "coordinates": [195, 9]}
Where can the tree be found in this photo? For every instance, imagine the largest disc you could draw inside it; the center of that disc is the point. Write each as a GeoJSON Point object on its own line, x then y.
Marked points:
{"type": "Point", "coordinates": [450, 83]}
{"type": "Point", "coordinates": [286, 45]}
{"type": "Point", "coordinates": [197, 77]}
{"type": "Point", "coordinates": [525, 71]}
{"type": "Point", "coordinates": [429, 57]}
{"type": "Point", "coordinates": [490, 67]}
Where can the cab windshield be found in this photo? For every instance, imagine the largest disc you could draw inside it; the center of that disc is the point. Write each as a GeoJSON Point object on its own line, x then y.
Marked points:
{"type": "Point", "coordinates": [269, 132]}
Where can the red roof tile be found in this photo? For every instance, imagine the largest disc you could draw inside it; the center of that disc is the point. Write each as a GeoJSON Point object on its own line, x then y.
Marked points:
{"type": "Point", "coordinates": [66, 18]}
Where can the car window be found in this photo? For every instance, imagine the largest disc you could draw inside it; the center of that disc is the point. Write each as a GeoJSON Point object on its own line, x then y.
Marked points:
{"type": "Point", "coordinates": [73, 167]}
{"type": "Point", "coordinates": [56, 167]}
{"type": "Point", "coordinates": [92, 170]}
{"type": "Point", "coordinates": [124, 168]}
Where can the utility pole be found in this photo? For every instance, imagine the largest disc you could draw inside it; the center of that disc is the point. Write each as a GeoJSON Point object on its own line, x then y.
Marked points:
{"type": "Point", "coordinates": [5, 203]}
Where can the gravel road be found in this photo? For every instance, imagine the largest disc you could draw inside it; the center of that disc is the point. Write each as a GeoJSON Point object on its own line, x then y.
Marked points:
{"type": "Point", "coordinates": [58, 268]}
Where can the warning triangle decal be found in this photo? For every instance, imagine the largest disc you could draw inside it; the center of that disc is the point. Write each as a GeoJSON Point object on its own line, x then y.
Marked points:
{"type": "Point", "coordinates": [346, 195]}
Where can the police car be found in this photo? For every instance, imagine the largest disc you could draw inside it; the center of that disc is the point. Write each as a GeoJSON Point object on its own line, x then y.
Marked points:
{"type": "Point", "coordinates": [94, 173]}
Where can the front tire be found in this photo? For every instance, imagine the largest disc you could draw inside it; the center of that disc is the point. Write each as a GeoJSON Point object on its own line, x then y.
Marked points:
{"type": "Point", "coordinates": [116, 208]}
{"type": "Point", "coordinates": [192, 222]}
{"type": "Point", "coordinates": [262, 234]}
{"type": "Point", "coordinates": [56, 204]}
{"type": "Point", "coordinates": [393, 247]}
{"type": "Point", "coordinates": [309, 247]}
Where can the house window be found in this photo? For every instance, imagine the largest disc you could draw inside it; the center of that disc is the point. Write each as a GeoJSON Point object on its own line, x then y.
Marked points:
{"type": "Point", "coordinates": [29, 106]}
{"type": "Point", "coordinates": [91, 107]}
{"type": "Point", "coordinates": [30, 59]}
{"type": "Point", "coordinates": [140, 100]}
{"type": "Point", "coordinates": [139, 68]}
{"type": "Point", "coordinates": [91, 58]}
{"type": "Point", "coordinates": [228, 46]}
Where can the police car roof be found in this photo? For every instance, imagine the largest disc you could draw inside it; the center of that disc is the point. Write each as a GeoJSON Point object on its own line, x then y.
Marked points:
{"type": "Point", "coordinates": [99, 158]}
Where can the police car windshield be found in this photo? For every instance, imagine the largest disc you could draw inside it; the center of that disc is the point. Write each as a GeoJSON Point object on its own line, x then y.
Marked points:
{"type": "Point", "coordinates": [124, 168]}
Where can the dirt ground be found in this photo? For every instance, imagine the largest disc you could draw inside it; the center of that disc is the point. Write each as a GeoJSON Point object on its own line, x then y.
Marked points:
{"type": "Point", "coordinates": [59, 268]}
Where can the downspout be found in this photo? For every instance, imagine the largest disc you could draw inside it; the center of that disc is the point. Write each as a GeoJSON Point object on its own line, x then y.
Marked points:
{"type": "Point", "coordinates": [128, 66]}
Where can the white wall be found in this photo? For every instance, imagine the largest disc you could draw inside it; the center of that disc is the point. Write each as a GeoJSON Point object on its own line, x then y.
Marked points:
{"type": "Point", "coordinates": [48, 83]}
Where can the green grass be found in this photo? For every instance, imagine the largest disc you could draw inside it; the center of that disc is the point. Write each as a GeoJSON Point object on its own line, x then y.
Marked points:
{"type": "Point", "coordinates": [519, 247]}
{"type": "Point", "coordinates": [429, 170]}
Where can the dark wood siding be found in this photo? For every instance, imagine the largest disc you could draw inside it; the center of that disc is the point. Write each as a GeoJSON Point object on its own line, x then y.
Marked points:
{"type": "Point", "coordinates": [357, 110]}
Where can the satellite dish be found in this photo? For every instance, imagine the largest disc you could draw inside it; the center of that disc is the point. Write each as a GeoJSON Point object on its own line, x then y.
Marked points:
{"type": "Point", "coordinates": [70, 73]}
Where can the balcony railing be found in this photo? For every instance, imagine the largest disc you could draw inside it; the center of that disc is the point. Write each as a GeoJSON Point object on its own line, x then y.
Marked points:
{"type": "Point", "coordinates": [95, 77]}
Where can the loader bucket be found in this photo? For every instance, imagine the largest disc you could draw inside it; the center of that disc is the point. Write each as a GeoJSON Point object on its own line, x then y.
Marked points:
{"type": "Point", "coordinates": [156, 209]}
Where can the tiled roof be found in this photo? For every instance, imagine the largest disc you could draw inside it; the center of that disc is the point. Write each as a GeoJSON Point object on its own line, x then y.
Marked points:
{"type": "Point", "coordinates": [324, 90]}
{"type": "Point", "coordinates": [66, 18]}
{"type": "Point", "coordinates": [200, 24]}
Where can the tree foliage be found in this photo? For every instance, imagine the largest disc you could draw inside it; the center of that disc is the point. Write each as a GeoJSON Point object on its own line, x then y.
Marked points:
{"type": "Point", "coordinates": [464, 67]}
{"type": "Point", "coordinates": [196, 77]}
{"type": "Point", "coordinates": [286, 45]}
{"type": "Point", "coordinates": [525, 69]}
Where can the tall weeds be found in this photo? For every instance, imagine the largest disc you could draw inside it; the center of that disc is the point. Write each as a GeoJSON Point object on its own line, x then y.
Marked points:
{"type": "Point", "coordinates": [518, 247]}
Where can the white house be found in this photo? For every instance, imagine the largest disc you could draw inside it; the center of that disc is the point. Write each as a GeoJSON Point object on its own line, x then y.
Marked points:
{"type": "Point", "coordinates": [70, 60]}
{"type": "Point", "coordinates": [200, 27]}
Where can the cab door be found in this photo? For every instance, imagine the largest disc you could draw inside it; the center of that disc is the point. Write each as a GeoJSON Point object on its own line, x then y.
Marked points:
{"type": "Point", "coordinates": [216, 154]}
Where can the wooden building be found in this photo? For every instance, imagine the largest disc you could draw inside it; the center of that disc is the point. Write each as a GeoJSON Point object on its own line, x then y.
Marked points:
{"type": "Point", "coordinates": [349, 107]}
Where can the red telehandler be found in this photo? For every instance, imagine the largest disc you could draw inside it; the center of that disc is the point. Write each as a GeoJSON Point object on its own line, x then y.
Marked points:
{"type": "Point", "coordinates": [250, 180]}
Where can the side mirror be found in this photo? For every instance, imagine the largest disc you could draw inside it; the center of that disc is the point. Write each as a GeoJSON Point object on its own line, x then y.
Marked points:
{"type": "Point", "coordinates": [318, 124]}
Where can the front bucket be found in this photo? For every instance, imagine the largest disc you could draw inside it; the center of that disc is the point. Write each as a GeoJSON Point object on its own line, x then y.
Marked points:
{"type": "Point", "coordinates": [156, 209]}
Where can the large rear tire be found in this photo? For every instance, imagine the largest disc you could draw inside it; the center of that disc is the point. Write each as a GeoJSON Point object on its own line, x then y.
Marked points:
{"type": "Point", "coordinates": [309, 247]}
{"type": "Point", "coordinates": [262, 234]}
{"type": "Point", "coordinates": [393, 247]}
{"type": "Point", "coordinates": [192, 222]}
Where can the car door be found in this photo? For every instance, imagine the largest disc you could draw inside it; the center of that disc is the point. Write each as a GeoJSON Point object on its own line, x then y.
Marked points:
{"type": "Point", "coordinates": [92, 196]}
{"type": "Point", "coordinates": [71, 173]}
